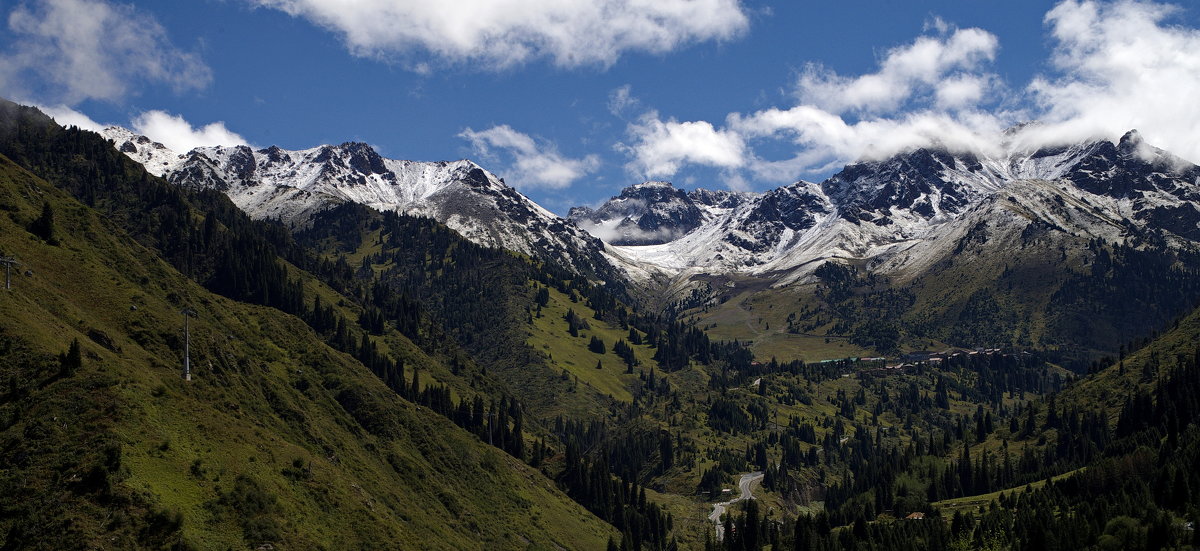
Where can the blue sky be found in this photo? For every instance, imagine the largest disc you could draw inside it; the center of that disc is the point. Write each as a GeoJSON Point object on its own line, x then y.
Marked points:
{"type": "Point", "coordinates": [570, 105]}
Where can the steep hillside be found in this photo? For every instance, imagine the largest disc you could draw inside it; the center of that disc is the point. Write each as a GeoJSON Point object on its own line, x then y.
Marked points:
{"type": "Point", "coordinates": [277, 439]}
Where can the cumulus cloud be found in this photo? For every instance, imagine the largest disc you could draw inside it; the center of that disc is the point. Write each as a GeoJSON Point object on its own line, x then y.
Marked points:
{"type": "Point", "coordinates": [533, 164]}
{"type": "Point", "coordinates": [170, 130]}
{"type": "Point", "coordinates": [179, 135]}
{"type": "Point", "coordinates": [67, 51]}
{"type": "Point", "coordinates": [962, 91]}
{"type": "Point", "coordinates": [826, 141]}
{"type": "Point", "coordinates": [618, 231]}
{"type": "Point", "coordinates": [923, 93]}
{"type": "Point", "coordinates": [927, 63]}
{"type": "Point", "coordinates": [1115, 66]}
{"type": "Point", "coordinates": [661, 147]}
{"type": "Point", "coordinates": [506, 32]}
{"type": "Point", "coordinates": [1120, 66]}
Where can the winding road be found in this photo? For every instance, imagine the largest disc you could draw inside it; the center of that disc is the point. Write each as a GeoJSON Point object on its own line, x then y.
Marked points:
{"type": "Point", "coordinates": [745, 485]}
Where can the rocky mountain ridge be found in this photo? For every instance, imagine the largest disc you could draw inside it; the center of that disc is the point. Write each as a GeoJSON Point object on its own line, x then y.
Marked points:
{"type": "Point", "coordinates": [896, 216]}
{"type": "Point", "coordinates": [293, 185]}
{"type": "Point", "coordinates": [904, 213]}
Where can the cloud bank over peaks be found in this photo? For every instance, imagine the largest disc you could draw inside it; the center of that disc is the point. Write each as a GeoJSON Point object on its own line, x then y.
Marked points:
{"type": "Point", "coordinates": [1120, 66]}
{"type": "Point", "coordinates": [170, 130]}
{"type": "Point", "coordinates": [65, 116]}
{"type": "Point", "coordinates": [501, 33]}
{"type": "Point", "coordinates": [929, 91]}
{"type": "Point", "coordinates": [179, 135]}
{"type": "Point", "coordinates": [1114, 66]}
{"type": "Point", "coordinates": [533, 164]}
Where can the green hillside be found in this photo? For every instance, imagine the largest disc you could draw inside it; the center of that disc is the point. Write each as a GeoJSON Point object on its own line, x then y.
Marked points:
{"type": "Point", "coordinates": [549, 334]}
{"type": "Point", "coordinates": [277, 439]}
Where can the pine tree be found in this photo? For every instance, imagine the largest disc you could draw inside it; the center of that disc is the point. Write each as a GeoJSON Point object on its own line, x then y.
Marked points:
{"type": "Point", "coordinates": [43, 226]}
{"type": "Point", "coordinates": [72, 360]}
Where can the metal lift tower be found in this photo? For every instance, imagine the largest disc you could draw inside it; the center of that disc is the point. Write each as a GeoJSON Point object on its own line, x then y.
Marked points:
{"type": "Point", "coordinates": [187, 344]}
{"type": "Point", "coordinates": [8, 262]}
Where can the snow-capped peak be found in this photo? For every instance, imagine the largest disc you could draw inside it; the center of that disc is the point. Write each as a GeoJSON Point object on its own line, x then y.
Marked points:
{"type": "Point", "coordinates": [294, 185]}
{"type": "Point", "coordinates": [156, 157]}
{"type": "Point", "coordinates": [643, 214]}
{"type": "Point", "coordinates": [904, 211]}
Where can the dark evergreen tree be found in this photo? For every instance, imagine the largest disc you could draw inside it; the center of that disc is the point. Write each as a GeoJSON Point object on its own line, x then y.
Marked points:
{"type": "Point", "coordinates": [43, 225]}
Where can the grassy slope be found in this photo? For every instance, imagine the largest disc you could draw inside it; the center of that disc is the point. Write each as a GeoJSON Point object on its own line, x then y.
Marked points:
{"type": "Point", "coordinates": [760, 313]}
{"type": "Point", "coordinates": [980, 502]}
{"type": "Point", "coordinates": [264, 401]}
{"type": "Point", "coordinates": [548, 335]}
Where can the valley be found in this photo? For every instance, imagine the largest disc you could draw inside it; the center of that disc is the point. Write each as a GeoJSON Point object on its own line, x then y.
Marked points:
{"type": "Point", "coordinates": [931, 351]}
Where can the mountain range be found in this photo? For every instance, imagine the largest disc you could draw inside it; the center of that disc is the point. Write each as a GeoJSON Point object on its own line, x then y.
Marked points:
{"type": "Point", "coordinates": [292, 186]}
{"type": "Point", "coordinates": [903, 214]}
{"type": "Point", "coordinates": [899, 214]}
{"type": "Point", "coordinates": [901, 220]}
{"type": "Point", "coordinates": [937, 350]}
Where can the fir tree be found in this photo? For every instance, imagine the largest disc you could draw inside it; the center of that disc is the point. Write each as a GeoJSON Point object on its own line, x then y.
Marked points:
{"type": "Point", "coordinates": [71, 360]}
{"type": "Point", "coordinates": [43, 225]}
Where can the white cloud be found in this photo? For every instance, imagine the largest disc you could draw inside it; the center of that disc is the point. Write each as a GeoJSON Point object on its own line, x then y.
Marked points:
{"type": "Point", "coordinates": [179, 135]}
{"type": "Point", "coordinates": [1116, 66]}
{"type": "Point", "coordinates": [611, 230]}
{"type": "Point", "coordinates": [962, 91]}
{"type": "Point", "coordinates": [621, 100]}
{"type": "Point", "coordinates": [662, 147]}
{"type": "Point", "coordinates": [938, 24]}
{"type": "Point", "coordinates": [907, 70]}
{"type": "Point", "coordinates": [1120, 66]}
{"type": "Point", "coordinates": [932, 73]}
{"type": "Point", "coordinates": [66, 116]}
{"type": "Point", "coordinates": [500, 33]}
{"type": "Point", "coordinates": [826, 141]}
{"type": "Point", "coordinates": [533, 164]}
{"type": "Point", "coordinates": [735, 181]}
{"type": "Point", "coordinates": [67, 51]}
{"type": "Point", "coordinates": [170, 130]}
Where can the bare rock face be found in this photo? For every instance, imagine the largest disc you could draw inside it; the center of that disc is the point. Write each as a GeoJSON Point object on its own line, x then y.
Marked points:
{"type": "Point", "coordinates": [645, 214]}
